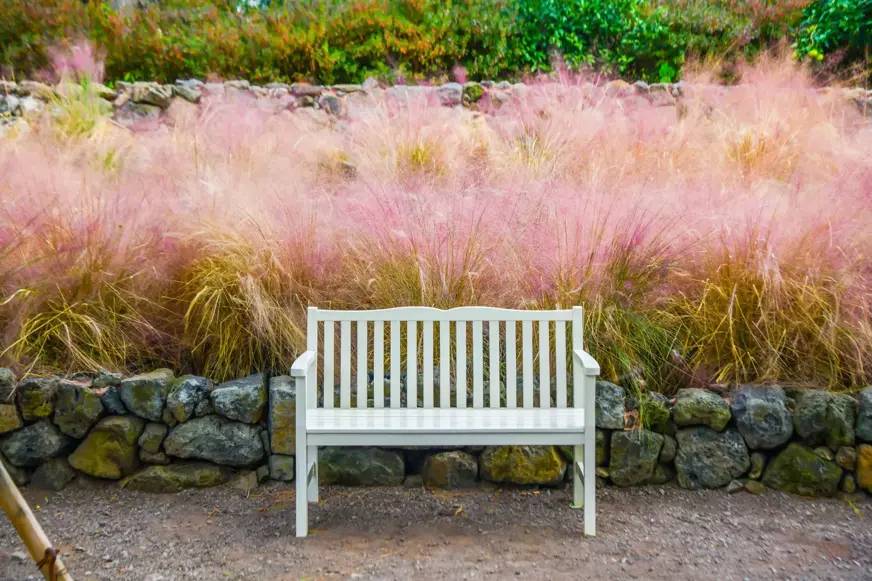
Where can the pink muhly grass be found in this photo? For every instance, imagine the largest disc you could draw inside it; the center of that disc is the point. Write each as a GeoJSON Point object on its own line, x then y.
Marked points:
{"type": "Point", "coordinates": [746, 207]}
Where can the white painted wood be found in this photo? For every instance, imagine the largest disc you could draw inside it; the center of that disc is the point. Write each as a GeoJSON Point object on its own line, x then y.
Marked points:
{"type": "Point", "coordinates": [460, 334]}
{"type": "Point", "coordinates": [378, 364]}
{"type": "Point", "coordinates": [560, 361]}
{"type": "Point", "coordinates": [527, 354]}
{"type": "Point", "coordinates": [469, 420]}
{"type": "Point", "coordinates": [362, 371]}
{"type": "Point", "coordinates": [477, 366]}
{"type": "Point", "coordinates": [412, 365]}
{"type": "Point", "coordinates": [432, 314]}
{"type": "Point", "coordinates": [577, 479]}
{"type": "Point", "coordinates": [460, 439]}
{"type": "Point", "coordinates": [428, 364]}
{"type": "Point", "coordinates": [445, 364]}
{"type": "Point", "coordinates": [589, 458]}
{"type": "Point", "coordinates": [312, 337]}
{"type": "Point", "coordinates": [494, 362]}
{"type": "Point", "coordinates": [312, 473]}
{"type": "Point", "coordinates": [396, 361]}
{"type": "Point", "coordinates": [328, 364]}
{"type": "Point", "coordinates": [577, 385]}
{"type": "Point", "coordinates": [544, 366]}
{"type": "Point", "coordinates": [511, 367]}
{"type": "Point", "coordinates": [345, 364]}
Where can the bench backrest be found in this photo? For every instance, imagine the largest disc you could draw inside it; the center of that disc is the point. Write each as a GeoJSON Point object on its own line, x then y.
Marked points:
{"type": "Point", "coordinates": [456, 358]}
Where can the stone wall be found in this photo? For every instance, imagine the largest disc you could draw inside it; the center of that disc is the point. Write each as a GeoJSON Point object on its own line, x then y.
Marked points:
{"type": "Point", "coordinates": [142, 104]}
{"type": "Point", "coordinates": [161, 433]}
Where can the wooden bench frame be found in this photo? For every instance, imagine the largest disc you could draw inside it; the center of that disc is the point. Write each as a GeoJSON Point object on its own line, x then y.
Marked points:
{"type": "Point", "coordinates": [450, 420]}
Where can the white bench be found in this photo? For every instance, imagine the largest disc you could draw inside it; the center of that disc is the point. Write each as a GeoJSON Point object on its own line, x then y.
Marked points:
{"type": "Point", "coordinates": [455, 403]}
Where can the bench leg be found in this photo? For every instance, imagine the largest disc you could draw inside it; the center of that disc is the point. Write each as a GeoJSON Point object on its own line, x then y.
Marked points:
{"type": "Point", "coordinates": [577, 480]}
{"type": "Point", "coordinates": [301, 486]}
{"type": "Point", "coordinates": [312, 472]}
{"type": "Point", "coordinates": [589, 457]}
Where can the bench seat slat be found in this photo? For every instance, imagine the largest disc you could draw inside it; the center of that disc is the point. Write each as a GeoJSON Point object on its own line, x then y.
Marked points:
{"type": "Point", "coordinates": [439, 420]}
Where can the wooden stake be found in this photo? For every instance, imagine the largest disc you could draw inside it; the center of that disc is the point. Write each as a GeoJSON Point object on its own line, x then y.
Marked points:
{"type": "Point", "coordinates": [17, 510]}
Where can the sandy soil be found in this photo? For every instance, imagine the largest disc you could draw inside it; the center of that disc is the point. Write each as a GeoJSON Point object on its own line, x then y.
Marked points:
{"type": "Point", "coordinates": [397, 533]}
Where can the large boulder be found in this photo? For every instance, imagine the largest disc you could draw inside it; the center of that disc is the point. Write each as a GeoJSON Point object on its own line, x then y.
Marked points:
{"type": "Point", "coordinates": [217, 440]}
{"type": "Point", "coordinates": [609, 406]}
{"type": "Point", "coordinates": [453, 469]}
{"type": "Point", "coordinates": [282, 415]}
{"type": "Point", "coordinates": [243, 400]}
{"type": "Point", "coordinates": [77, 408]}
{"type": "Point", "coordinates": [710, 459]}
{"type": "Point", "coordinates": [634, 456]}
{"type": "Point", "coordinates": [864, 416]}
{"type": "Point", "coordinates": [110, 449]}
{"type": "Point", "coordinates": [34, 444]}
{"type": "Point", "coordinates": [522, 465]}
{"type": "Point", "coordinates": [762, 416]}
{"type": "Point", "coordinates": [822, 417]}
{"type": "Point", "coordinates": [355, 466]}
{"type": "Point", "coordinates": [864, 467]}
{"type": "Point", "coordinates": [10, 419]}
{"type": "Point", "coordinates": [146, 394]}
{"type": "Point", "coordinates": [111, 399]}
{"type": "Point", "coordinates": [54, 474]}
{"type": "Point", "coordinates": [602, 448]}
{"type": "Point", "coordinates": [799, 470]}
{"type": "Point", "coordinates": [185, 393]}
{"type": "Point", "coordinates": [179, 476]}
{"type": "Point", "coordinates": [700, 407]}
{"type": "Point", "coordinates": [36, 397]}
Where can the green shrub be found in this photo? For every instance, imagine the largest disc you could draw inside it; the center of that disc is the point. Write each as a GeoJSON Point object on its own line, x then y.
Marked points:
{"type": "Point", "coordinates": [830, 26]}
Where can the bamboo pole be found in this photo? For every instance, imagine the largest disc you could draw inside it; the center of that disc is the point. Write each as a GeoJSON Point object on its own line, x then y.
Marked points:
{"type": "Point", "coordinates": [17, 510]}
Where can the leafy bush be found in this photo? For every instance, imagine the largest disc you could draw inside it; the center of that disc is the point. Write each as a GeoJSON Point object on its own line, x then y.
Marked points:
{"type": "Point", "coordinates": [831, 26]}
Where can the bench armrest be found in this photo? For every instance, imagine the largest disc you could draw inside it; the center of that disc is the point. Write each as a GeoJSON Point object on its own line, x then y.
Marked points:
{"type": "Point", "coordinates": [303, 364]}
{"type": "Point", "coordinates": [588, 363]}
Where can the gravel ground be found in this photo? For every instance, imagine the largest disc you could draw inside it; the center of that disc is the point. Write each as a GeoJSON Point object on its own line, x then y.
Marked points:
{"type": "Point", "coordinates": [397, 533]}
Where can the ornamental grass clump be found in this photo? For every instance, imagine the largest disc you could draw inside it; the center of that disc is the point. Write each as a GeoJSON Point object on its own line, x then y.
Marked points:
{"type": "Point", "coordinates": [724, 239]}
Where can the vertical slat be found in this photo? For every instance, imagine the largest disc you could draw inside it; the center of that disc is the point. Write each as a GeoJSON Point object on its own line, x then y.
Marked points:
{"type": "Point", "coordinates": [511, 367]}
{"type": "Point", "coordinates": [577, 377]}
{"type": "Point", "coordinates": [396, 360]}
{"type": "Point", "coordinates": [428, 364]}
{"type": "Point", "coordinates": [560, 361]}
{"type": "Point", "coordinates": [527, 355]}
{"type": "Point", "coordinates": [445, 364]}
{"type": "Point", "coordinates": [544, 366]}
{"type": "Point", "coordinates": [412, 365]}
{"type": "Point", "coordinates": [345, 364]}
{"type": "Point", "coordinates": [494, 362]}
{"type": "Point", "coordinates": [378, 363]}
{"type": "Point", "coordinates": [477, 368]}
{"type": "Point", "coordinates": [328, 364]}
{"type": "Point", "coordinates": [312, 345]}
{"type": "Point", "coordinates": [362, 375]}
{"type": "Point", "coordinates": [460, 333]}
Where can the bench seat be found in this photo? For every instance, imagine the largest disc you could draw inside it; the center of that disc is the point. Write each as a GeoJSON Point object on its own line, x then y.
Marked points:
{"type": "Point", "coordinates": [444, 426]}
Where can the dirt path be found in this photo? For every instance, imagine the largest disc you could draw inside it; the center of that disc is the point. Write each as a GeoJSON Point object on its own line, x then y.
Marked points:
{"type": "Point", "coordinates": [398, 533]}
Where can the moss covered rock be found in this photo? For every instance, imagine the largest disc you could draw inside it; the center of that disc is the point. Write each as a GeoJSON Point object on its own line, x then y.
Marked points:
{"type": "Point", "coordinates": [355, 466]}
{"type": "Point", "coordinates": [176, 477]}
{"type": "Point", "coordinates": [610, 405]}
{"type": "Point", "coordinates": [522, 465]}
{"type": "Point", "coordinates": [864, 416]}
{"type": "Point", "coordinates": [700, 407]}
{"type": "Point", "coordinates": [282, 415]}
{"type": "Point", "coordinates": [799, 470]}
{"type": "Point", "coordinates": [634, 456]}
{"type": "Point", "coordinates": [710, 459]}
{"type": "Point", "coordinates": [146, 394]}
{"type": "Point", "coordinates": [243, 400]}
{"type": "Point", "coordinates": [77, 408]}
{"type": "Point", "coordinates": [54, 474]}
{"type": "Point", "coordinates": [36, 397]}
{"type": "Point", "coordinates": [453, 469]}
{"type": "Point", "coordinates": [824, 418]}
{"type": "Point", "coordinates": [34, 444]}
{"type": "Point", "coordinates": [762, 416]}
{"type": "Point", "coordinates": [110, 449]}
{"type": "Point", "coordinates": [864, 467]}
{"type": "Point", "coordinates": [281, 468]}
{"type": "Point", "coordinates": [152, 437]}
{"type": "Point", "coordinates": [10, 419]}
{"type": "Point", "coordinates": [217, 440]}
{"type": "Point", "coordinates": [472, 92]}
{"type": "Point", "coordinates": [7, 384]}
{"type": "Point", "coordinates": [185, 393]}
